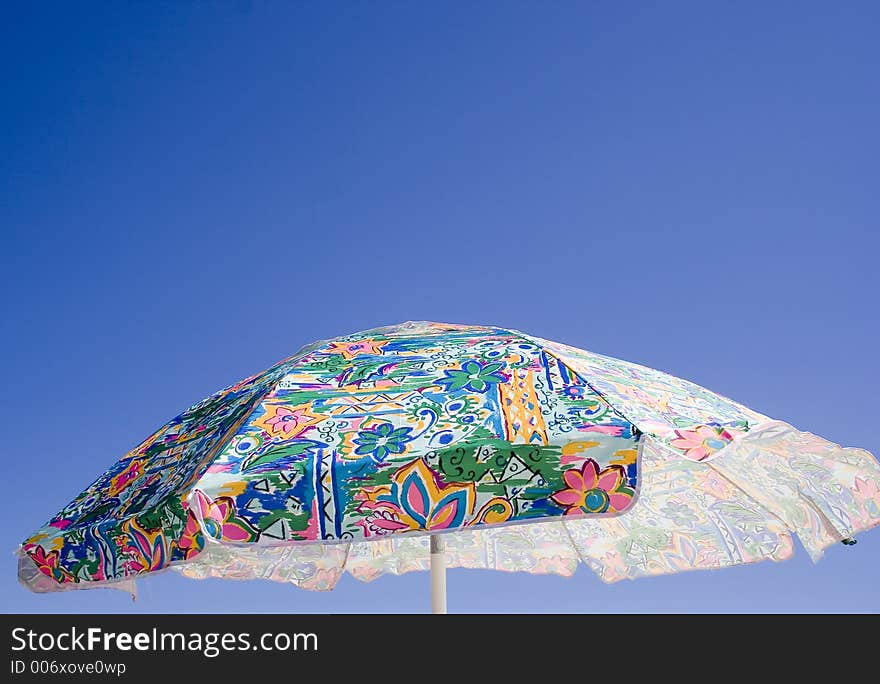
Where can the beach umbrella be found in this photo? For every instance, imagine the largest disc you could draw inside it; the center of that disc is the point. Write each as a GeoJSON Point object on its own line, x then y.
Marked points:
{"type": "Point", "coordinates": [426, 445]}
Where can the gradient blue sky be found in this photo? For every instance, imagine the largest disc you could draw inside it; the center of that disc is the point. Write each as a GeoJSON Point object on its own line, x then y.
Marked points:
{"type": "Point", "coordinates": [191, 191]}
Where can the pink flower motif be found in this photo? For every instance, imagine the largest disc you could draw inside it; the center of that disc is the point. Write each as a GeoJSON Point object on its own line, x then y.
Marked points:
{"type": "Point", "coordinates": [145, 549]}
{"type": "Point", "coordinates": [701, 442]}
{"type": "Point", "coordinates": [417, 499]}
{"type": "Point", "coordinates": [221, 520]}
{"type": "Point", "coordinates": [48, 563]}
{"type": "Point", "coordinates": [591, 490]}
{"type": "Point", "coordinates": [286, 420]}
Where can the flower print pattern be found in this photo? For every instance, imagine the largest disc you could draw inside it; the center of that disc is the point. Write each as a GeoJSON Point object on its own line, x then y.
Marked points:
{"type": "Point", "coordinates": [381, 441]}
{"type": "Point", "coordinates": [192, 541]}
{"type": "Point", "coordinates": [288, 422]}
{"type": "Point", "coordinates": [590, 490]}
{"type": "Point", "coordinates": [144, 550]}
{"type": "Point", "coordinates": [48, 563]}
{"type": "Point", "coordinates": [417, 499]}
{"type": "Point", "coordinates": [473, 376]}
{"type": "Point", "coordinates": [221, 520]}
{"type": "Point", "coordinates": [701, 442]}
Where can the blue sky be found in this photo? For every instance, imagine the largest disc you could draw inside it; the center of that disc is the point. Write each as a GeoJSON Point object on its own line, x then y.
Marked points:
{"type": "Point", "coordinates": [190, 191]}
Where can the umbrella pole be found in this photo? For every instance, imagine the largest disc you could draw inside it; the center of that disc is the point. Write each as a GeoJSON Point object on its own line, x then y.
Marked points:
{"type": "Point", "coordinates": [438, 575]}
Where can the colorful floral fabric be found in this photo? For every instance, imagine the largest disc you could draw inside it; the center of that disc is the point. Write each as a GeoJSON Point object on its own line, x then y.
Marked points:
{"type": "Point", "coordinates": [743, 507]}
{"type": "Point", "coordinates": [343, 456]}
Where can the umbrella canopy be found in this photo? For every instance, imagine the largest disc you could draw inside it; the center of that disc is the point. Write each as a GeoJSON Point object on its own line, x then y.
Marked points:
{"type": "Point", "coordinates": [528, 455]}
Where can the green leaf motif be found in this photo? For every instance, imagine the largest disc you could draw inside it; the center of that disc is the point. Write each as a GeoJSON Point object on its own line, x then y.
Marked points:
{"type": "Point", "coordinates": [289, 450]}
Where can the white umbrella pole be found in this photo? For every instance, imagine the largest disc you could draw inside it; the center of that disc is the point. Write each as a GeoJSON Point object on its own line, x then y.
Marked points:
{"type": "Point", "coordinates": [438, 576]}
